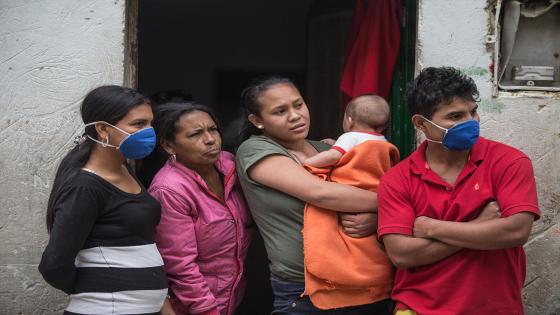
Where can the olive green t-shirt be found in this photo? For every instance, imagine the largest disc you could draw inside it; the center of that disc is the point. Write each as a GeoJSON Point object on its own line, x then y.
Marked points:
{"type": "Point", "coordinates": [278, 216]}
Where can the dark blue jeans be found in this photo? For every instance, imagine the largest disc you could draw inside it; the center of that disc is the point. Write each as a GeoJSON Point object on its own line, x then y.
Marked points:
{"type": "Point", "coordinates": [288, 301]}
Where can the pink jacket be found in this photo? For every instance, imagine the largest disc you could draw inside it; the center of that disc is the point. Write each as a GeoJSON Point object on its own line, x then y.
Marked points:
{"type": "Point", "coordinates": [203, 241]}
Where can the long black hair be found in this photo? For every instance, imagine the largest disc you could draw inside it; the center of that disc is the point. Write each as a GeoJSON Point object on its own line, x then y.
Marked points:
{"type": "Point", "coordinates": [108, 103]}
{"type": "Point", "coordinates": [166, 118]}
{"type": "Point", "coordinates": [250, 101]}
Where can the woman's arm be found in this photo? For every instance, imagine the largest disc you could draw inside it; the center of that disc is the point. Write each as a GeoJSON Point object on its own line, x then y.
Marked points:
{"type": "Point", "coordinates": [177, 243]}
{"type": "Point", "coordinates": [283, 174]}
{"type": "Point", "coordinates": [75, 213]}
{"type": "Point", "coordinates": [167, 309]}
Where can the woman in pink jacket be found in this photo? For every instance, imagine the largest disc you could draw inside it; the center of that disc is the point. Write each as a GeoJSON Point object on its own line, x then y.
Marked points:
{"type": "Point", "coordinates": [204, 232]}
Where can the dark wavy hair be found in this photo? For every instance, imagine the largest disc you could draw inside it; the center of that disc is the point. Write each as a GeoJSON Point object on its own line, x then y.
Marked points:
{"type": "Point", "coordinates": [166, 117]}
{"type": "Point", "coordinates": [108, 103]}
{"type": "Point", "coordinates": [434, 87]}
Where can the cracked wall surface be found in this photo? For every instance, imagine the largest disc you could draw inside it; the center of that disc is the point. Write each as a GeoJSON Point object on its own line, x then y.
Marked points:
{"type": "Point", "coordinates": [53, 52]}
{"type": "Point", "coordinates": [453, 33]}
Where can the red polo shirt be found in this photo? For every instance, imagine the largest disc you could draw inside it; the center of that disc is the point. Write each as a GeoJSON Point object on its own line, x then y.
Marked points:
{"type": "Point", "coordinates": [470, 281]}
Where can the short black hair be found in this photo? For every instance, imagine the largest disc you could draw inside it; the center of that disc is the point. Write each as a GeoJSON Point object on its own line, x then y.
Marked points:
{"type": "Point", "coordinates": [438, 86]}
{"type": "Point", "coordinates": [165, 123]}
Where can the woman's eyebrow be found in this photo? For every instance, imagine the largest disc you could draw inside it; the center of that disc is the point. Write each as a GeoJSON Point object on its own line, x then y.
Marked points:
{"type": "Point", "coordinates": [193, 131]}
{"type": "Point", "coordinates": [275, 107]}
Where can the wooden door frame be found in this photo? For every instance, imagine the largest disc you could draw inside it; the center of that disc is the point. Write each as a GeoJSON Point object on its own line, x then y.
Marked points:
{"type": "Point", "coordinates": [130, 78]}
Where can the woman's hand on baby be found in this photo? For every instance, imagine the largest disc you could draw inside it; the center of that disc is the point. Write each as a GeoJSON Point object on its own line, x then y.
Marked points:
{"type": "Point", "coordinates": [358, 225]}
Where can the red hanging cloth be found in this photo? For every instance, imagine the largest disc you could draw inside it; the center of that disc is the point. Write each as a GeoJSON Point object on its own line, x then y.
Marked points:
{"type": "Point", "coordinates": [371, 49]}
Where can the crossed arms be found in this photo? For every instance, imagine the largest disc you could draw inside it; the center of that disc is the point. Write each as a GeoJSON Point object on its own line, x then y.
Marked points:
{"type": "Point", "coordinates": [434, 239]}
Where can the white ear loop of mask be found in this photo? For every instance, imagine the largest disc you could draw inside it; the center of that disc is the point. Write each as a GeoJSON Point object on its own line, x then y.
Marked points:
{"type": "Point", "coordinates": [101, 142]}
{"type": "Point", "coordinates": [441, 128]}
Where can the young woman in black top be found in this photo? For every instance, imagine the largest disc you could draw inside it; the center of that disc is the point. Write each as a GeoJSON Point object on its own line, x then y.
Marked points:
{"type": "Point", "coordinates": [101, 220]}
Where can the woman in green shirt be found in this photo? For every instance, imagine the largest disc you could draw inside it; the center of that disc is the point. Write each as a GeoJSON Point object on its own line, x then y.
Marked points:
{"type": "Point", "coordinates": [277, 187]}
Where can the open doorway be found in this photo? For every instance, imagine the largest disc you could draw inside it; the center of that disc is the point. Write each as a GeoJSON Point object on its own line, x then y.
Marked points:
{"type": "Point", "coordinates": [207, 51]}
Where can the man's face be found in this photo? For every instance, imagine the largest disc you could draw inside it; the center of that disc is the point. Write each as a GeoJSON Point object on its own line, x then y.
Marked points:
{"type": "Point", "coordinates": [447, 115]}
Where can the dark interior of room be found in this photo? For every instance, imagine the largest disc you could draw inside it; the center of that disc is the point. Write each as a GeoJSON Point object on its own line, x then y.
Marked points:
{"type": "Point", "coordinates": [209, 50]}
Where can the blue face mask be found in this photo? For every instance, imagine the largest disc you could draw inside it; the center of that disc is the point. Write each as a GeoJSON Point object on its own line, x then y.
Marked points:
{"type": "Point", "coordinates": [135, 145]}
{"type": "Point", "coordinates": [462, 136]}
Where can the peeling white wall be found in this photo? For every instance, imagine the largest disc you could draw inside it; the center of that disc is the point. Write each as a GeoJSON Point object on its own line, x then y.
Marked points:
{"type": "Point", "coordinates": [53, 52]}
{"type": "Point", "coordinates": [453, 33]}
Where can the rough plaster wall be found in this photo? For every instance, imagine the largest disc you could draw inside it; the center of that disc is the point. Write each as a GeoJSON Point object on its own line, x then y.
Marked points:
{"type": "Point", "coordinates": [52, 53]}
{"type": "Point", "coordinates": [453, 33]}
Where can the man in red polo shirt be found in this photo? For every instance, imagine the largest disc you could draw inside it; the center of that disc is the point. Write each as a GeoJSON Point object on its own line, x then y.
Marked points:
{"type": "Point", "coordinates": [455, 214]}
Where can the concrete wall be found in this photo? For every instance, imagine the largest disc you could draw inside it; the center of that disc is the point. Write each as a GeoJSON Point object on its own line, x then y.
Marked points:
{"type": "Point", "coordinates": [53, 52]}
{"type": "Point", "coordinates": [453, 33]}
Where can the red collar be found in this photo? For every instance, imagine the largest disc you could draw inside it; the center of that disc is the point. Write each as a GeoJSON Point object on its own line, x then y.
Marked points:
{"type": "Point", "coordinates": [418, 164]}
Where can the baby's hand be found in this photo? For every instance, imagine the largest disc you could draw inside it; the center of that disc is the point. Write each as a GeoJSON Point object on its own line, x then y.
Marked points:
{"type": "Point", "coordinates": [329, 141]}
